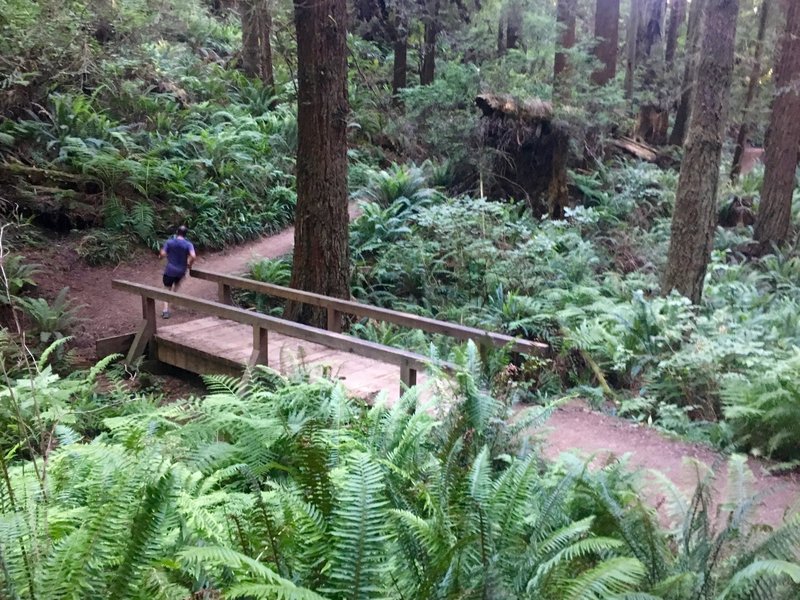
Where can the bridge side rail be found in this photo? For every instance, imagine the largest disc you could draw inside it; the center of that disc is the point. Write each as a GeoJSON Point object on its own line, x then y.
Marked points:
{"type": "Point", "coordinates": [337, 307]}
{"type": "Point", "coordinates": [409, 362]}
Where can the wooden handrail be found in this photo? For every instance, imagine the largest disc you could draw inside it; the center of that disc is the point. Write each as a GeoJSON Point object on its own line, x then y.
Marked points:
{"type": "Point", "coordinates": [337, 306]}
{"type": "Point", "coordinates": [409, 362]}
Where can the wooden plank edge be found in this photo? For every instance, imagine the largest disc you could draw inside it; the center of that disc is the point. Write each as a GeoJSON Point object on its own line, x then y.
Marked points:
{"type": "Point", "coordinates": [115, 344]}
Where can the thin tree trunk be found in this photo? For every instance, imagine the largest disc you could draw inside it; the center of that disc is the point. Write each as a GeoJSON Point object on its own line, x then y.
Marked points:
{"type": "Point", "coordinates": [696, 20]}
{"type": "Point", "coordinates": [557, 192]}
{"type": "Point", "coordinates": [606, 33]}
{"type": "Point", "coordinates": [428, 73]}
{"type": "Point", "coordinates": [565, 21]}
{"type": "Point", "coordinates": [653, 117]}
{"type": "Point", "coordinates": [513, 25]}
{"type": "Point", "coordinates": [677, 15]}
{"type": "Point", "coordinates": [631, 51]}
{"type": "Point", "coordinates": [694, 217]}
{"type": "Point", "coordinates": [400, 69]}
{"type": "Point", "coordinates": [752, 90]}
{"type": "Point", "coordinates": [501, 36]}
{"type": "Point", "coordinates": [256, 46]}
{"type": "Point", "coordinates": [321, 250]}
{"type": "Point", "coordinates": [774, 212]}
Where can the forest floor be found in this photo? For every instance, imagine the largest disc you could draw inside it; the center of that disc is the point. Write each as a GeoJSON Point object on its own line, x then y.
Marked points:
{"type": "Point", "coordinates": [573, 427]}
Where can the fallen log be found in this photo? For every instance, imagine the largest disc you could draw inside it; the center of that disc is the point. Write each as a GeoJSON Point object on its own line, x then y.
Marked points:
{"type": "Point", "coordinates": [638, 149]}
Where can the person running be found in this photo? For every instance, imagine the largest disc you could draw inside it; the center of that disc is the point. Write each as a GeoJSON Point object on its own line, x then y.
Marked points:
{"type": "Point", "coordinates": [180, 256]}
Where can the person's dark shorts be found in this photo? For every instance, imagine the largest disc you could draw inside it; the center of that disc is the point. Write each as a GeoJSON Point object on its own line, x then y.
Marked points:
{"type": "Point", "coordinates": [169, 280]}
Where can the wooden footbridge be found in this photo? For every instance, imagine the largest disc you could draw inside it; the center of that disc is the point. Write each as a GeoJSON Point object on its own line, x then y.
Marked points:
{"type": "Point", "coordinates": [228, 339]}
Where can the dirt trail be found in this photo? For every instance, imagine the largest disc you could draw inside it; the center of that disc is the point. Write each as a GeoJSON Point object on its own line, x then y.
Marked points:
{"type": "Point", "coordinates": [571, 428]}
{"type": "Point", "coordinates": [107, 312]}
{"type": "Point", "coordinates": [577, 428]}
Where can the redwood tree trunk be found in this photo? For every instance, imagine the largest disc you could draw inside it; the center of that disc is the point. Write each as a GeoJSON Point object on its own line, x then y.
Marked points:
{"type": "Point", "coordinates": [513, 25]}
{"type": "Point", "coordinates": [565, 21]}
{"type": "Point", "coordinates": [428, 73]}
{"type": "Point", "coordinates": [774, 211]}
{"type": "Point", "coordinates": [696, 20]}
{"type": "Point", "coordinates": [694, 218]}
{"type": "Point", "coordinates": [630, 58]}
{"type": "Point", "coordinates": [321, 250]}
{"type": "Point", "coordinates": [606, 33]}
{"type": "Point", "coordinates": [752, 90]}
{"type": "Point", "coordinates": [400, 69]}
{"type": "Point", "coordinates": [653, 118]}
{"type": "Point", "coordinates": [256, 47]}
{"type": "Point", "coordinates": [677, 14]}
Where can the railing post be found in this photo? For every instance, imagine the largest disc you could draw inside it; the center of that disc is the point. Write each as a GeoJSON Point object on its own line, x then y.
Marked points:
{"type": "Point", "coordinates": [408, 377]}
{"type": "Point", "coordinates": [145, 332]}
{"type": "Point", "coordinates": [224, 293]}
{"type": "Point", "coordinates": [260, 355]}
{"type": "Point", "coordinates": [334, 320]}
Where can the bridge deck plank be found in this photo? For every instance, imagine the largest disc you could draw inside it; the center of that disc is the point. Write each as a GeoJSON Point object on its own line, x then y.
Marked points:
{"type": "Point", "coordinates": [233, 343]}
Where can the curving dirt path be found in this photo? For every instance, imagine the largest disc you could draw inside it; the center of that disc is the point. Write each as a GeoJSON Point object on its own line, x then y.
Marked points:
{"type": "Point", "coordinates": [573, 427]}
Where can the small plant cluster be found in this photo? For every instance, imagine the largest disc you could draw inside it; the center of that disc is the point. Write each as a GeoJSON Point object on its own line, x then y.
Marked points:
{"type": "Point", "coordinates": [152, 136]}
{"type": "Point", "coordinates": [277, 489]}
{"type": "Point", "coordinates": [26, 320]}
{"type": "Point", "coordinates": [588, 285]}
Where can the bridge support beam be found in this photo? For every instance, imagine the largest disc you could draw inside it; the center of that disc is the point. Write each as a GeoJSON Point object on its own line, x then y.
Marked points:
{"type": "Point", "coordinates": [144, 333]}
{"type": "Point", "coordinates": [408, 378]}
{"type": "Point", "coordinates": [260, 355]}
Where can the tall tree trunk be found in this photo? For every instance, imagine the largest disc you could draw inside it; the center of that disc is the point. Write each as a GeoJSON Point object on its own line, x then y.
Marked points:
{"type": "Point", "coordinates": [653, 117]}
{"type": "Point", "coordinates": [321, 250]}
{"type": "Point", "coordinates": [565, 21]}
{"type": "Point", "coordinates": [752, 90]}
{"type": "Point", "coordinates": [694, 218]}
{"type": "Point", "coordinates": [695, 26]}
{"type": "Point", "coordinates": [606, 33]}
{"type": "Point", "coordinates": [780, 164]}
{"type": "Point", "coordinates": [428, 73]}
{"type": "Point", "coordinates": [631, 51]}
{"type": "Point", "coordinates": [400, 69]}
{"type": "Point", "coordinates": [677, 15]}
{"type": "Point", "coordinates": [513, 24]}
{"type": "Point", "coordinates": [501, 36]}
{"type": "Point", "coordinates": [256, 47]}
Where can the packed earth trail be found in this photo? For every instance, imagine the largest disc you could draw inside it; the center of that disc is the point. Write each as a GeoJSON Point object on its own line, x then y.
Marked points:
{"type": "Point", "coordinates": [571, 428]}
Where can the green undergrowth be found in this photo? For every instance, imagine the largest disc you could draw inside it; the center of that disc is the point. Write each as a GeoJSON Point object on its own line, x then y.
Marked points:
{"type": "Point", "coordinates": [156, 132]}
{"type": "Point", "coordinates": [721, 372]}
{"type": "Point", "coordinates": [286, 488]}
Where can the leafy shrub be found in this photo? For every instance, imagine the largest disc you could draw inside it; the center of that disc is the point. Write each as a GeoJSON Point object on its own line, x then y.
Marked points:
{"type": "Point", "coordinates": [51, 321]}
{"type": "Point", "coordinates": [268, 270]}
{"type": "Point", "coordinates": [15, 276]}
{"type": "Point", "coordinates": [102, 247]}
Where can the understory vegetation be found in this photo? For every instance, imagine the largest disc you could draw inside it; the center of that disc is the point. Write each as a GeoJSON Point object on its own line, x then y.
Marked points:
{"type": "Point", "coordinates": [288, 489]}
{"type": "Point", "coordinates": [721, 372]}
{"type": "Point", "coordinates": [122, 119]}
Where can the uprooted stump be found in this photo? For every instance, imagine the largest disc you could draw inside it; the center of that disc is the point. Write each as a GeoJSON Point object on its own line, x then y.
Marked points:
{"type": "Point", "coordinates": [531, 151]}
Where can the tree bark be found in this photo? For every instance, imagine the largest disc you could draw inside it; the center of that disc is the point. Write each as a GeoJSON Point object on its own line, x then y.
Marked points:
{"type": "Point", "coordinates": [256, 47]}
{"type": "Point", "coordinates": [695, 26]}
{"type": "Point", "coordinates": [400, 69]}
{"type": "Point", "coordinates": [752, 91]}
{"type": "Point", "coordinates": [428, 72]}
{"type": "Point", "coordinates": [321, 250]}
{"type": "Point", "coordinates": [565, 21]}
{"type": "Point", "coordinates": [677, 15]}
{"type": "Point", "coordinates": [653, 117]}
{"type": "Point", "coordinates": [513, 25]}
{"type": "Point", "coordinates": [694, 218]}
{"type": "Point", "coordinates": [606, 33]}
{"type": "Point", "coordinates": [774, 212]}
{"type": "Point", "coordinates": [631, 52]}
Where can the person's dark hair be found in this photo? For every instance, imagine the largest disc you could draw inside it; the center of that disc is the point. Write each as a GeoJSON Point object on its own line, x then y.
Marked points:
{"type": "Point", "coordinates": [182, 230]}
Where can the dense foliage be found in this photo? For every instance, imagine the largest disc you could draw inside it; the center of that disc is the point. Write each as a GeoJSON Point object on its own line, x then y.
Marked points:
{"type": "Point", "coordinates": [279, 489]}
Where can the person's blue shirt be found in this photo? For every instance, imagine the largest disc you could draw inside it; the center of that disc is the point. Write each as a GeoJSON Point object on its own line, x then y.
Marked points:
{"type": "Point", "coordinates": [177, 250]}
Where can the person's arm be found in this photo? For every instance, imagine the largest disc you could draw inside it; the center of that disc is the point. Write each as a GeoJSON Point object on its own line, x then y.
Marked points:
{"type": "Point", "coordinates": [163, 252]}
{"type": "Point", "coordinates": [192, 256]}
